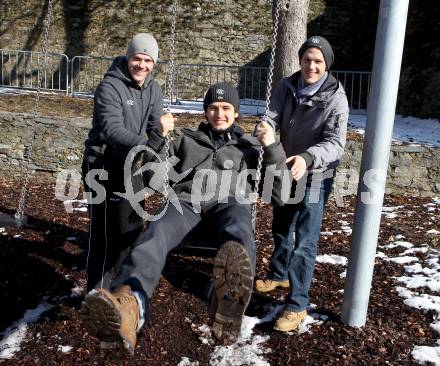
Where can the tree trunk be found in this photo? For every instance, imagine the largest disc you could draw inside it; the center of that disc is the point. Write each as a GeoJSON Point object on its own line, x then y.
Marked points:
{"type": "Point", "coordinates": [292, 32]}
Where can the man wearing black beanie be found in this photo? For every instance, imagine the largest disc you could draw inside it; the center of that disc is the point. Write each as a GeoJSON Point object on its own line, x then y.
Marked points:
{"type": "Point", "coordinates": [310, 109]}
{"type": "Point", "coordinates": [211, 196]}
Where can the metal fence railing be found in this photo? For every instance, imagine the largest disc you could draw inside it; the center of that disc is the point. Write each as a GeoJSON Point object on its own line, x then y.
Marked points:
{"type": "Point", "coordinates": [192, 81]}
{"type": "Point", "coordinates": [86, 72]}
{"type": "Point", "coordinates": [81, 75]}
{"type": "Point", "coordinates": [21, 69]}
{"type": "Point", "coordinates": [357, 87]}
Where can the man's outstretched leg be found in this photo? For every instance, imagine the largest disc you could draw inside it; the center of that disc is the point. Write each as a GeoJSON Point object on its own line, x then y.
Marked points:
{"type": "Point", "coordinates": [234, 267]}
{"type": "Point", "coordinates": [233, 279]}
{"type": "Point", "coordinates": [113, 317]}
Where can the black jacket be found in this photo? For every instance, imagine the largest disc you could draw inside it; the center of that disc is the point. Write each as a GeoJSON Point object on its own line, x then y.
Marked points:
{"type": "Point", "coordinates": [212, 167]}
{"type": "Point", "coordinates": [316, 127]}
{"type": "Point", "coordinates": [123, 113]}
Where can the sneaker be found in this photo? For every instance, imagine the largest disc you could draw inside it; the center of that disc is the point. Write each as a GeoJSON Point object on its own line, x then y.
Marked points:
{"type": "Point", "coordinates": [112, 317]}
{"type": "Point", "coordinates": [270, 285]}
{"type": "Point", "coordinates": [289, 320]}
{"type": "Point", "coordinates": [233, 278]}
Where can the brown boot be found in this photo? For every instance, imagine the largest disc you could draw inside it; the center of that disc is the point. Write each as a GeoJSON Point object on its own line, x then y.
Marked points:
{"type": "Point", "coordinates": [233, 277]}
{"type": "Point", "coordinates": [290, 320]}
{"type": "Point", "coordinates": [112, 317]}
{"type": "Point", "coordinates": [268, 285]}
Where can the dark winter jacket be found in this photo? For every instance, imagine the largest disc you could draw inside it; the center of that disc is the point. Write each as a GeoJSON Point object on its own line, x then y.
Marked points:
{"type": "Point", "coordinates": [316, 128]}
{"type": "Point", "coordinates": [212, 166]}
{"type": "Point", "coordinates": [123, 113]}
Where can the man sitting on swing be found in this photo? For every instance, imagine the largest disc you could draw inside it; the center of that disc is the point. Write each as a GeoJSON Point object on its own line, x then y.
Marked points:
{"type": "Point", "coordinates": [216, 162]}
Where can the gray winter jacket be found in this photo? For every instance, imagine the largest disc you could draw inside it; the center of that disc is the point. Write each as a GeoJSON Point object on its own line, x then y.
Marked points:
{"type": "Point", "coordinates": [214, 172]}
{"type": "Point", "coordinates": [316, 128]}
{"type": "Point", "coordinates": [123, 113]}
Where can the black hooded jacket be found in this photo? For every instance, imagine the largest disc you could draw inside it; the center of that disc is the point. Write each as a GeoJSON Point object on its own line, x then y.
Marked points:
{"type": "Point", "coordinates": [211, 166]}
{"type": "Point", "coordinates": [123, 114]}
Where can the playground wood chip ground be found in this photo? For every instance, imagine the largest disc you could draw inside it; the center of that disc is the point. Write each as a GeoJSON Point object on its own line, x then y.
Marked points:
{"type": "Point", "coordinates": [44, 260]}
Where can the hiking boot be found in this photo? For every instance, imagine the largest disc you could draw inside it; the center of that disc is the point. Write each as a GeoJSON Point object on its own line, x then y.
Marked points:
{"type": "Point", "coordinates": [112, 317]}
{"type": "Point", "coordinates": [233, 278]}
{"type": "Point", "coordinates": [268, 285]}
{"type": "Point", "coordinates": [290, 320]}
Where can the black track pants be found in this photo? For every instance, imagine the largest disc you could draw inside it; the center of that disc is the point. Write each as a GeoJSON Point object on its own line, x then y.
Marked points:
{"type": "Point", "coordinates": [113, 227]}
{"type": "Point", "coordinates": [143, 265]}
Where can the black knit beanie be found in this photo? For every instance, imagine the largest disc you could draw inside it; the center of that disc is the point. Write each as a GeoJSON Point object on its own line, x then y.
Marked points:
{"type": "Point", "coordinates": [322, 44]}
{"type": "Point", "coordinates": [221, 92]}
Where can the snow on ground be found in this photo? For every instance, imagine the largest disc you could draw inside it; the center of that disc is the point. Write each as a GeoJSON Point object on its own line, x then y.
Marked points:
{"type": "Point", "coordinates": [16, 333]}
{"type": "Point", "coordinates": [420, 275]}
{"type": "Point", "coordinates": [406, 129]}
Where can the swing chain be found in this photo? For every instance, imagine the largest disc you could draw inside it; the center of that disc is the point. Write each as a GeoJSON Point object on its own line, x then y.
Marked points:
{"type": "Point", "coordinates": [170, 80]}
{"type": "Point", "coordinates": [272, 59]}
{"type": "Point", "coordinates": [166, 183]}
{"type": "Point", "coordinates": [170, 70]}
{"type": "Point", "coordinates": [268, 95]}
{"type": "Point", "coordinates": [29, 149]}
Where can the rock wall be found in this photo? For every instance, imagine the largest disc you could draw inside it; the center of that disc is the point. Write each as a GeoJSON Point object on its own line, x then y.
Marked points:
{"type": "Point", "coordinates": [232, 32]}
{"type": "Point", "coordinates": [413, 170]}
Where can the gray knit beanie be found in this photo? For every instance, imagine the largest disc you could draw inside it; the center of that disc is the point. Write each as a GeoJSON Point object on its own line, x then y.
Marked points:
{"type": "Point", "coordinates": [143, 43]}
{"type": "Point", "coordinates": [221, 92]}
{"type": "Point", "coordinates": [322, 44]}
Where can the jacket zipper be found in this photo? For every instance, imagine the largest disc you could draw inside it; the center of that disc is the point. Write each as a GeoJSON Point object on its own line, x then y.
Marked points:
{"type": "Point", "coordinates": [141, 112]}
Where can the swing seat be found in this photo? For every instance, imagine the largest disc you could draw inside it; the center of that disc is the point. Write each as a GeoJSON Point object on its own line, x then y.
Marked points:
{"type": "Point", "coordinates": [196, 244]}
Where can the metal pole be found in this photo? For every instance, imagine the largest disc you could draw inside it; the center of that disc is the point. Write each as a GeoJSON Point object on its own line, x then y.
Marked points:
{"type": "Point", "coordinates": [380, 119]}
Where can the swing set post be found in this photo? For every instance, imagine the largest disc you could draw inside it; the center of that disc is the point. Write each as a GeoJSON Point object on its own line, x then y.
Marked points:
{"type": "Point", "coordinates": [380, 119]}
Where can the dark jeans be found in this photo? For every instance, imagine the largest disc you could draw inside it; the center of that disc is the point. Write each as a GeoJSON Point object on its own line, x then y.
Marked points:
{"type": "Point", "coordinates": [113, 226]}
{"type": "Point", "coordinates": [296, 229]}
{"type": "Point", "coordinates": [143, 265]}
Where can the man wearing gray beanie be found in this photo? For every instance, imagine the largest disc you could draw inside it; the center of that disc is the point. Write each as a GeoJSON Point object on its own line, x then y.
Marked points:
{"type": "Point", "coordinates": [310, 109]}
{"type": "Point", "coordinates": [128, 106]}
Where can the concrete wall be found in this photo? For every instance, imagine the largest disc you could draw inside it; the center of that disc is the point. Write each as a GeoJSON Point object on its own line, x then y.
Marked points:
{"type": "Point", "coordinates": [413, 170]}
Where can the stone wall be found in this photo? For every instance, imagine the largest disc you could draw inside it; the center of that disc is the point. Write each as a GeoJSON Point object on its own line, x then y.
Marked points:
{"type": "Point", "coordinates": [413, 170]}
{"type": "Point", "coordinates": [232, 32]}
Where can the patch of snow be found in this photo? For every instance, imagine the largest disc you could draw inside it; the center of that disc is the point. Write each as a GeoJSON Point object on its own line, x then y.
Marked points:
{"type": "Point", "coordinates": [416, 281]}
{"type": "Point", "coordinates": [381, 255]}
{"type": "Point", "coordinates": [417, 268]}
{"type": "Point", "coordinates": [185, 361]}
{"type": "Point", "coordinates": [425, 354]}
{"type": "Point", "coordinates": [64, 349]}
{"type": "Point", "coordinates": [401, 260]}
{"type": "Point", "coordinates": [419, 301]}
{"type": "Point", "coordinates": [415, 250]}
{"type": "Point", "coordinates": [14, 334]}
{"type": "Point", "coordinates": [391, 208]}
{"type": "Point", "coordinates": [398, 243]}
{"type": "Point", "coordinates": [332, 259]}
